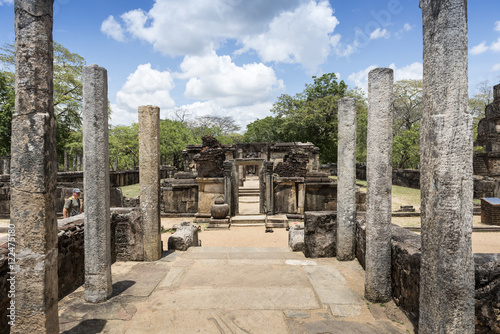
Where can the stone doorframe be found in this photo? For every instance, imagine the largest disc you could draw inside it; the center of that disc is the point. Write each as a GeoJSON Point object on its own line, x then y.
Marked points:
{"type": "Point", "coordinates": [231, 184]}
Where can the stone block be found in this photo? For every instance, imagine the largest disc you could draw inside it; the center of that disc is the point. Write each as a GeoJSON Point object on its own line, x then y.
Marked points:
{"type": "Point", "coordinates": [296, 238]}
{"type": "Point", "coordinates": [186, 236]}
{"type": "Point", "coordinates": [219, 223]}
{"type": "Point", "coordinates": [320, 234]}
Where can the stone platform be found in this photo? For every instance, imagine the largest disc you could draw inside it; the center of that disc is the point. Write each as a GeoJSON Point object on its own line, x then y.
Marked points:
{"type": "Point", "coordinates": [233, 290]}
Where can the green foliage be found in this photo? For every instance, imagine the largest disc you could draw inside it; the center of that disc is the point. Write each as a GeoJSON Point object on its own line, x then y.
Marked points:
{"type": "Point", "coordinates": [311, 116]}
{"type": "Point", "coordinates": [124, 145]}
{"type": "Point", "coordinates": [408, 104]}
{"type": "Point", "coordinates": [7, 101]}
{"type": "Point", "coordinates": [223, 128]}
{"type": "Point", "coordinates": [67, 95]}
{"type": "Point", "coordinates": [174, 136]}
{"type": "Point", "coordinates": [478, 103]}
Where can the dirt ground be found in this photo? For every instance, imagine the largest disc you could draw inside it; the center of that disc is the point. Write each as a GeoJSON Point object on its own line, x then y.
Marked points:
{"type": "Point", "coordinates": [482, 242]}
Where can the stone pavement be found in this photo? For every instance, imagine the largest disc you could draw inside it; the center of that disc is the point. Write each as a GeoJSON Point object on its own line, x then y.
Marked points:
{"type": "Point", "coordinates": [233, 290]}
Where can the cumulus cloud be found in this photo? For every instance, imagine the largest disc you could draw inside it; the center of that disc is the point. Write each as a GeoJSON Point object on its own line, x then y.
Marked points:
{"type": "Point", "coordinates": [496, 68]}
{"type": "Point", "coordinates": [379, 33]}
{"type": "Point", "coordinates": [478, 49]}
{"type": "Point", "coordinates": [304, 36]}
{"type": "Point", "coordinates": [146, 86]}
{"type": "Point", "coordinates": [407, 27]}
{"type": "Point", "coordinates": [409, 72]}
{"type": "Point", "coordinates": [217, 78]}
{"type": "Point", "coordinates": [292, 31]}
{"type": "Point", "coordinates": [242, 115]}
{"type": "Point", "coordinates": [496, 46]}
{"type": "Point", "coordinates": [111, 28]}
{"type": "Point", "coordinates": [6, 2]}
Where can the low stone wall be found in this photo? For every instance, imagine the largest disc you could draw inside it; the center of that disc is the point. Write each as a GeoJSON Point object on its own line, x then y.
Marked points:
{"type": "Point", "coordinates": [126, 235]}
{"type": "Point", "coordinates": [405, 276]}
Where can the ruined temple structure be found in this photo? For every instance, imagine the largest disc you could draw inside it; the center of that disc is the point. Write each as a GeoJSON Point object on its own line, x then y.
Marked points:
{"type": "Point", "coordinates": [289, 182]}
{"type": "Point", "coordinates": [487, 163]}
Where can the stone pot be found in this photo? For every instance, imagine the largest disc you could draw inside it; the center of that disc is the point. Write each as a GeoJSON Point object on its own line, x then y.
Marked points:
{"type": "Point", "coordinates": [219, 210]}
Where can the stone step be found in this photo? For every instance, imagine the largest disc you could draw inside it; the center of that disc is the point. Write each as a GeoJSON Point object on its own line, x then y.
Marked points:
{"type": "Point", "coordinates": [250, 199]}
{"type": "Point", "coordinates": [277, 221]}
{"type": "Point", "coordinates": [247, 220]}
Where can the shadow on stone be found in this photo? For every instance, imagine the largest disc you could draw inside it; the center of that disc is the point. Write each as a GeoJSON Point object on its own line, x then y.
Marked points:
{"type": "Point", "coordinates": [90, 326]}
{"type": "Point", "coordinates": [120, 287]}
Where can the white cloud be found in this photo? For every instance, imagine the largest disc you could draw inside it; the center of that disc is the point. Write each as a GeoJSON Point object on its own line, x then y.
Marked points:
{"type": "Point", "coordinates": [497, 25]}
{"type": "Point", "coordinates": [496, 68]}
{"type": "Point", "coordinates": [217, 78]}
{"type": "Point", "coordinates": [410, 72]}
{"type": "Point", "coordinates": [6, 2]}
{"type": "Point", "coordinates": [407, 27]}
{"type": "Point", "coordinates": [496, 46]}
{"type": "Point", "coordinates": [242, 115]}
{"type": "Point", "coordinates": [111, 28]}
{"type": "Point", "coordinates": [300, 36]}
{"type": "Point", "coordinates": [292, 31]}
{"type": "Point", "coordinates": [146, 86]}
{"type": "Point", "coordinates": [379, 33]}
{"type": "Point", "coordinates": [478, 49]}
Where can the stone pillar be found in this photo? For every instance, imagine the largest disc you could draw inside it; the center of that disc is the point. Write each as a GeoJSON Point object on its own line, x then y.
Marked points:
{"type": "Point", "coordinates": [78, 162]}
{"type": "Point", "coordinates": [268, 169]}
{"type": "Point", "coordinates": [235, 191]}
{"type": "Point", "coordinates": [96, 184]}
{"type": "Point", "coordinates": [66, 161]}
{"type": "Point", "coordinates": [6, 165]}
{"type": "Point", "coordinates": [379, 181]}
{"type": "Point", "coordinates": [149, 176]}
{"type": "Point", "coordinates": [228, 193]}
{"type": "Point", "coordinates": [447, 266]}
{"type": "Point", "coordinates": [74, 163]}
{"type": "Point", "coordinates": [346, 183]}
{"type": "Point", "coordinates": [115, 165]}
{"type": "Point", "coordinates": [34, 172]}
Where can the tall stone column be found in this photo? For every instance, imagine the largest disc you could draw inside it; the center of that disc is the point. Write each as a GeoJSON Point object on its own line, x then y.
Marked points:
{"type": "Point", "coordinates": [379, 185]}
{"type": "Point", "coordinates": [34, 170]}
{"type": "Point", "coordinates": [96, 184]}
{"type": "Point", "coordinates": [268, 170]}
{"type": "Point", "coordinates": [74, 163]}
{"type": "Point", "coordinates": [228, 193]}
{"type": "Point", "coordinates": [78, 162]}
{"type": "Point", "coordinates": [447, 265]}
{"type": "Point", "coordinates": [66, 161]}
{"type": "Point", "coordinates": [346, 182]}
{"type": "Point", "coordinates": [149, 178]}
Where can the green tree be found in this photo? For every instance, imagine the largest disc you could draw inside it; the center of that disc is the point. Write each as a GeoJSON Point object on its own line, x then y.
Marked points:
{"type": "Point", "coordinates": [408, 104]}
{"type": "Point", "coordinates": [478, 103]}
{"type": "Point", "coordinates": [124, 145]}
{"type": "Point", "coordinates": [311, 116]}
{"type": "Point", "coordinates": [67, 93]}
{"type": "Point", "coordinates": [174, 136]}
{"type": "Point", "coordinates": [7, 101]}
{"type": "Point", "coordinates": [266, 130]}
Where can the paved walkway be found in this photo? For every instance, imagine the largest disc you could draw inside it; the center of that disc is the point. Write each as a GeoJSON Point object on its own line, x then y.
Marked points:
{"type": "Point", "coordinates": [233, 290]}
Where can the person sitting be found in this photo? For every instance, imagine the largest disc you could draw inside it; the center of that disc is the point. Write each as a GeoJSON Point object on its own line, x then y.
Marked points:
{"type": "Point", "coordinates": [72, 206]}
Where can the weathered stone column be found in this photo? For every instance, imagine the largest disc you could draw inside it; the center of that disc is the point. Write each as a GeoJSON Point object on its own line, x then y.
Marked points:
{"type": "Point", "coordinates": [115, 165]}
{"type": "Point", "coordinates": [149, 176]}
{"type": "Point", "coordinates": [228, 193]}
{"type": "Point", "coordinates": [447, 266]}
{"type": "Point", "coordinates": [66, 161]}
{"type": "Point", "coordinates": [78, 162]}
{"type": "Point", "coordinates": [74, 163]}
{"type": "Point", "coordinates": [96, 184]}
{"type": "Point", "coordinates": [268, 170]}
{"type": "Point", "coordinates": [34, 170]}
{"type": "Point", "coordinates": [346, 182]}
{"type": "Point", "coordinates": [379, 185]}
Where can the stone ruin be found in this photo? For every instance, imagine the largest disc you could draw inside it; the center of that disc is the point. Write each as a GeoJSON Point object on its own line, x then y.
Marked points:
{"type": "Point", "coordinates": [487, 163]}
{"type": "Point", "coordinates": [440, 293]}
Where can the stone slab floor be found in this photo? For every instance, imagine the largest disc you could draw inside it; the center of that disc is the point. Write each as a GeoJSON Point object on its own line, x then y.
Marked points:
{"type": "Point", "coordinates": [234, 290]}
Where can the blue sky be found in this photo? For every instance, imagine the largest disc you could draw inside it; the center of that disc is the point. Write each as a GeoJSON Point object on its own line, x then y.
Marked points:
{"type": "Point", "coordinates": [235, 57]}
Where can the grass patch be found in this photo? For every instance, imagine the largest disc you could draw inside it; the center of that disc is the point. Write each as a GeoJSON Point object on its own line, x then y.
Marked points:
{"type": "Point", "coordinates": [131, 191]}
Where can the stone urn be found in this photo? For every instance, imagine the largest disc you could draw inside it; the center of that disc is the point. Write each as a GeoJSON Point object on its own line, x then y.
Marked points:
{"type": "Point", "coordinates": [219, 210]}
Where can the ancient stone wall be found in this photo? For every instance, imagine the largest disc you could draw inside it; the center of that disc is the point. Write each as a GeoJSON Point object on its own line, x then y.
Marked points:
{"type": "Point", "coordinates": [125, 236]}
{"type": "Point", "coordinates": [405, 277]}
